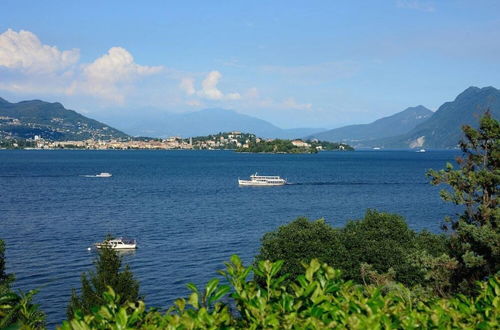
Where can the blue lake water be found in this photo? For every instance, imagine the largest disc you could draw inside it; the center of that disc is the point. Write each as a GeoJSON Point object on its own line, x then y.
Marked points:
{"type": "Point", "coordinates": [186, 210]}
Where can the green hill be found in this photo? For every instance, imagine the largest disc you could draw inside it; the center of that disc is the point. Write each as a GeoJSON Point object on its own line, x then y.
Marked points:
{"type": "Point", "coordinates": [50, 121]}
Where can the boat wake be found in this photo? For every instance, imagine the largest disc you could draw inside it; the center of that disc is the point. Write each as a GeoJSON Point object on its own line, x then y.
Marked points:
{"type": "Point", "coordinates": [100, 175]}
{"type": "Point", "coordinates": [340, 183]}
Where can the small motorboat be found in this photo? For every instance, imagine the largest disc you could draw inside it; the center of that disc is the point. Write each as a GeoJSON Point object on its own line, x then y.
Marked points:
{"type": "Point", "coordinates": [119, 243]}
{"type": "Point", "coordinates": [103, 175]}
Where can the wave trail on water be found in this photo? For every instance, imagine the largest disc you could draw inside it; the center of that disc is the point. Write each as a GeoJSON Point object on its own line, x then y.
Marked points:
{"type": "Point", "coordinates": [351, 183]}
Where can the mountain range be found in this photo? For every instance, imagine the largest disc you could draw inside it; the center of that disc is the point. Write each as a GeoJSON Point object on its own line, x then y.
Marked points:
{"type": "Point", "coordinates": [443, 128]}
{"type": "Point", "coordinates": [151, 122]}
{"type": "Point", "coordinates": [50, 121]}
{"type": "Point", "coordinates": [418, 127]}
{"type": "Point", "coordinates": [399, 123]}
{"type": "Point", "coordinates": [415, 127]}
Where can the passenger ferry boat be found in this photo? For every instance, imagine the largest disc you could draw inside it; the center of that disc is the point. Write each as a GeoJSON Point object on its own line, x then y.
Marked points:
{"type": "Point", "coordinates": [262, 180]}
{"type": "Point", "coordinates": [119, 243]}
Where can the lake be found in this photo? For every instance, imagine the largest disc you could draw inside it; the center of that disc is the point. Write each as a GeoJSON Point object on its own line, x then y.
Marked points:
{"type": "Point", "coordinates": [186, 210]}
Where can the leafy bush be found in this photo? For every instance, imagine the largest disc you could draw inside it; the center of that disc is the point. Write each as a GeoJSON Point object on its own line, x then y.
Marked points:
{"type": "Point", "coordinates": [317, 299]}
{"type": "Point", "coordinates": [299, 241]}
{"type": "Point", "coordinates": [381, 240]}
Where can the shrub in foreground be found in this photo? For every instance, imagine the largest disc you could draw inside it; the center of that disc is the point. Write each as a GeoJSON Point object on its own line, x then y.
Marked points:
{"type": "Point", "coordinates": [317, 299]}
{"type": "Point", "coordinates": [382, 240]}
{"type": "Point", "coordinates": [17, 310]}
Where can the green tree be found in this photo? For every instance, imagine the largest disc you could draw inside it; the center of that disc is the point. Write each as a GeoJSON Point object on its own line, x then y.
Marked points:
{"type": "Point", "coordinates": [300, 241]}
{"type": "Point", "coordinates": [5, 279]}
{"type": "Point", "coordinates": [383, 241]}
{"type": "Point", "coordinates": [17, 311]}
{"type": "Point", "coordinates": [475, 239]}
{"type": "Point", "coordinates": [107, 273]}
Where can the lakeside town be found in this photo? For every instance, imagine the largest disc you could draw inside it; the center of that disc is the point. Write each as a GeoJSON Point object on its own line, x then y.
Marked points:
{"type": "Point", "coordinates": [234, 140]}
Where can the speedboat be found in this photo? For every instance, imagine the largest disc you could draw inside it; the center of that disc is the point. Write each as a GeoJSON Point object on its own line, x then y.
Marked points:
{"type": "Point", "coordinates": [103, 175]}
{"type": "Point", "coordinates": [262, 180]}
{"type": "Point", "coordinates": [119, 243]}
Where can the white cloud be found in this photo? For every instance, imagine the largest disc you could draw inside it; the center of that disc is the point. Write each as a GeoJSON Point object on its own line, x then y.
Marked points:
{"type": "Point", "coordinates": [23, 51]}
{"type": "Point", "coordinates": [110, 75]}
{"type": "Point", "coordinates": [290, 103]}
{"type": "Point", "coordinates": [209, 89]}
{"type": "Point", "coordinates": [209, 86]}
{"type": "Point", "coordinates": [427, 6]}
{"type": "Point", "coordinates": [28, 66]}
{"type": "Point", "coordinates": [252, 93]}
{"type": "Point", "coordinates": [187, 85]}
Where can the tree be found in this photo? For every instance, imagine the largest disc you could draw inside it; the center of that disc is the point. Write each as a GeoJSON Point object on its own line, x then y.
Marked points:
{"type": "Point", "coordinates": [5, 279]}
{"type": "Point", "coordinates": [17, 311]}
{"type": "Point", "coordinates": [301, 241]}
{"type": "Point", "coordinates": [107, 274]}
{"type": "Point", "coordinates": [383, 241]}
{"type": "Point", "coordinates": [475, 239]}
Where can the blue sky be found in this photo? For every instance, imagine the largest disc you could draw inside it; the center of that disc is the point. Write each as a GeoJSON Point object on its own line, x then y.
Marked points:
{"type": "Point", "coordinates": [294, 63]}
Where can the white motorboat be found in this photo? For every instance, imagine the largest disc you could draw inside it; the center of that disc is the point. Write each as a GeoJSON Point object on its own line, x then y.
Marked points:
{"type": "Point", "coordinates": [262, 180]}
{"type": "Point", "coordinates": [103, 175]}
{"type": "Point", "coordinates": [421, 150]}
{"type": "Point", "coordinates": [119, 243]}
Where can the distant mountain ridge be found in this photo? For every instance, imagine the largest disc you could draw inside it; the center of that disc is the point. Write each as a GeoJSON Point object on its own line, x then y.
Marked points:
{"type": "Point", "coordinates": [201, 123]}
{"type": "Point", "coordinates": [51, 121]}
{"type": "Point", "coordinates": [443, 129]}
{"type": "Point", "coordinates": [399, 123]}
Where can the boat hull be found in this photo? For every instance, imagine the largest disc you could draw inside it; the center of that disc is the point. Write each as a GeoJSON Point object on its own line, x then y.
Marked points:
{"type": "Point", "coordinates": [122, 247]}
{"type": "Point", "coordinates": [259, 184]}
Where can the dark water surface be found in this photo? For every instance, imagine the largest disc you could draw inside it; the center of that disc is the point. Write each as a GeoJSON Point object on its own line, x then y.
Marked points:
{"type": "Point", "coordinates": [186, 209]}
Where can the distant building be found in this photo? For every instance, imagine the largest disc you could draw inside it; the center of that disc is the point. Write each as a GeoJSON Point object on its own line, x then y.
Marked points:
{"type": "Point", "coordinates": [300, 144]}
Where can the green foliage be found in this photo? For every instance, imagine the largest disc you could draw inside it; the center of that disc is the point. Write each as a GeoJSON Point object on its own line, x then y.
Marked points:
{"type": "Point", "coordinates": [317, 299]}
{"type": "Point", "coordinates": [5, 279]}
{"type": "Point", "coordinates": [300, 241]}
{"type": "Point", "coordinates": [16, 143]}
{"type": "Point", "coordinates": [17, 309]}
{"type": "Point", "coordinates": [381, 240]}
{"type": "Point", "coordinates": [107, 273]}
{"type": "Point", "coordinates": [329, 146]}
{"type": "Point", "coordinates": [276, 146]}
{"type": "Point", "coordinates": [476, 233]}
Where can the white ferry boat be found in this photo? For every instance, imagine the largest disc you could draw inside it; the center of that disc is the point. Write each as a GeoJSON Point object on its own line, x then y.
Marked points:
{"type": "Point", "coordinates": [262, 180]}
{"type": "Point", "coordinates": [119, 243]}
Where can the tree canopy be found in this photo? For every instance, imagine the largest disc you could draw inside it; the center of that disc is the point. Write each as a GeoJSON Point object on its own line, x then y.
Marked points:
{"type": "Point", "coordinates": [475, 239]}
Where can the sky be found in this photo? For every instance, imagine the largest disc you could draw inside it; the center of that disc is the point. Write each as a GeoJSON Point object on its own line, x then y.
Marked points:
{"type": "Point", "coordinates": [294, 63]}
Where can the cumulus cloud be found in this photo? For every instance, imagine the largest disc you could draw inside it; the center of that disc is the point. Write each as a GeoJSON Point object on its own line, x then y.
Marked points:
{"type": "Point", "coordinates": [187, 85]}
{"type": "Point", "coordinates": [209, 89]}
{"type": "Point", "coordinates": [209, 86]}
{"type": "Point", "coordinates": [109, 76]}
{"type": "Point", "coordinates": [27, 65]}
{"type": "Point", "coordinates": [23, 51]}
